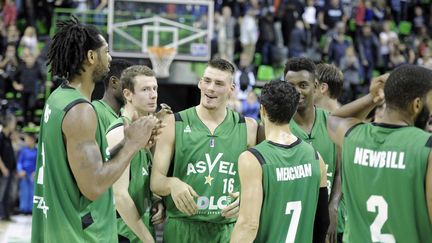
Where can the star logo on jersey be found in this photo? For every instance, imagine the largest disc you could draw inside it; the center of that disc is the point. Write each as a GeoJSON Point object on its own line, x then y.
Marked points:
{"type": "Point", "coordinates": [187, 129]}
{"type": "Point", "coordinates": [208, 179]}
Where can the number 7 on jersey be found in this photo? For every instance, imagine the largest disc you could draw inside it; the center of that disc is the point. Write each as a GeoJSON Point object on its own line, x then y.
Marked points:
{"type": "Point", "coordinates": [295, 208]}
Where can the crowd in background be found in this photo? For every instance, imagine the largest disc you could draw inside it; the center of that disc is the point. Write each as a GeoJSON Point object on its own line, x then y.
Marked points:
{"type": "Point", "coordinates": [363, 38]}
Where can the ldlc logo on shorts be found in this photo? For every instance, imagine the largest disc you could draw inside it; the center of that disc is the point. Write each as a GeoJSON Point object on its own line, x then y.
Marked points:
{"type": "Point", "coordinates": [187, 129]}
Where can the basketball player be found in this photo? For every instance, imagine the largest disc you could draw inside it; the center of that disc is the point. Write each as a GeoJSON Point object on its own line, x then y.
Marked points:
{"type": "Point", "coordinates": [387, 172]}
{"type": "Point", "coordinates": [195, 163]}
{"type": "Point", "coordinates": [283, 180]}
{"type": "Point", "coordinates": [310, 124]}
{"type": "Point", "coordinates": [73, 200]}
{"type": "Point", "coordinates": [132, 190]}
{"type": "Point", "coordinates": [330, 84]}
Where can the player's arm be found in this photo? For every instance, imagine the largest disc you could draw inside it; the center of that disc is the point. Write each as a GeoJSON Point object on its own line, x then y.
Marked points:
{"type": "Point", "coordinates": [250, 173]}
{"type": "Point", "coordinates": [429, 187]}
{"type": "Point", "coordinates": [322, 220]}
{"type": "Point", "coordinates": [342, 119]}
{"type": "Point", "coordinates": [252, 127]}
{"type": "Point", "coordinates": [160, 184]}
{"type": "Point", "coordinates": [335, 197]}
{"type": "Point", "coordinates": [124, 203]}
{"type": "Point", "coordinates": [232, 210]}
{"type": "Point", "coordinates": [85, 160]}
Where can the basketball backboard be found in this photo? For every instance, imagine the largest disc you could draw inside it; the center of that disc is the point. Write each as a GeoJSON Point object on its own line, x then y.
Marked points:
{"type": "Point", "coordinates": [136, 25]}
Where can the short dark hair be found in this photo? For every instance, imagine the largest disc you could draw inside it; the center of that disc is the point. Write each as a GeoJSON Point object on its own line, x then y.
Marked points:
{"type": "Point", "coordinates": [69, 47]}
{"type": "Point", "coordinates": [128, 75]}
{"type": "Point", "coordinates": [297, 64]}
{"type": "Point", "coordinates": [406, 83]}
{"type": "Point", "coordinates": [280, 100]}
{"type": "Point", "coordinates": [332, 76]}
{"type": "Point", "coordinates": [116, 68]}
{"type": "Point", "coordinates": [222, 64]}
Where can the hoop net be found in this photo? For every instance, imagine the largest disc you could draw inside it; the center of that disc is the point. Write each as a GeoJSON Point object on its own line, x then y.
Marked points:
{"type": "Point", "coordinates": [161, 58]}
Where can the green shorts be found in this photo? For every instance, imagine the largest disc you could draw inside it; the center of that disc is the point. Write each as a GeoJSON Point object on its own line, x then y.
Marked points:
{"type": "Point", "coordinates": [181, 231]}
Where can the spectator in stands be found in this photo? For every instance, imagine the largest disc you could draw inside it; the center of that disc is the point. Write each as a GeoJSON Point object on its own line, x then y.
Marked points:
{"type": "Point", "coordinates": [338, 44]}
{"type": "Point", "coordinates": [8, 66]}
{"type": "Point", "coordinates": [400, 54]}
{"type": "Point", "coordinates": [368, 46]}
{"type": "Point", "coordinates": [7, 164]}
{"type": "Point", "coordinates": [350, 67]}
{"type": "Point", "coordinates": [330, 15]}
{"type": "Point", "coordinates": [29, 40]}
{"type": "Point", "coordinates": [28, 78]}
{"type": "Point", "coordinates": [368, 11]}
{"type": "Point", "coordinates": [3, 38]}
{"type": "Point", "coordinates": [244, 78]}
{"type": "Point", "coordinates": [310, 21]}
{"type": "Point", "coordinates": [26, 166]}
{"type": "Point", "coordinates": [267, 37]}
{"type": "Point", "coordinates": [251, 106]}
{"type": "Point", "coordinates": [288, 17]}
{"type": "Point", "coordinates": [298, 41]}
{"type": "Point", "coordinates": [225, 34]}
{"type": "Point", "coordinates": [387, 38]}
{"type": "Point", "coordinates": [9, 13]}
{"type": "Point", "coordinates": [249, 34]}
{"type": "Point", "coordinates": [380, 10]}
{"type": "Point", "coordinates": [13, 35]}
{"type": "Point", "coordinates": [419, 19]}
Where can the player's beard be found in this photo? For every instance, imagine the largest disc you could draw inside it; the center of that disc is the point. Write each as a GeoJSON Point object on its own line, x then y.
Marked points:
{"type": "Point", "coordinates": [422, 118]}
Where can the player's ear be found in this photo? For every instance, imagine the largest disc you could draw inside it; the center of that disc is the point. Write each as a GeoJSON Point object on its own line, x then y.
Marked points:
{"type": "Point", "coordinates": [323, 87]}
{"type": "Point", "coordinates": [91, 56]}
{"type": "Point", "coordinates": [416, 105]}
{"type": "Point", "coordinates": [115, 82]}
{"type": "Point", "coordinates": [127, 95]}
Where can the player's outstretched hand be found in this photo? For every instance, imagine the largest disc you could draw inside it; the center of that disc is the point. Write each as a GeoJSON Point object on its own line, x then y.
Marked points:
{"type": "Point", "coordinates": [140, 131]}
{"type": "Point", "coordinates": [233, 209]}
{"type": "Point", "coordinates": [376, 88]}
{"type": "Point", "coordinates": [183, 197]}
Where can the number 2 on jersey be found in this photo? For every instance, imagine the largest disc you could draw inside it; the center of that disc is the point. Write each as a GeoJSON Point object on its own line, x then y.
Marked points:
{"type": "Point", "coordinates": [377, 204]}
{"type": "Point", "coordinates": [295, 208]}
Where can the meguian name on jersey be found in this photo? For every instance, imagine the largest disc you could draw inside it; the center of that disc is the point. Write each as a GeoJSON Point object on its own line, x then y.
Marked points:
{"type": "Point", "coordinates": [379, 159]}
{"type": "Point", "coordinates": [294, 172]}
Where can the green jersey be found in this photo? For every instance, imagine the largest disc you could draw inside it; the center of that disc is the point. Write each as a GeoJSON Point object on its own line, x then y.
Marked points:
{"type": "Point", "coordinates": [383, 179]}
{"type": "Point", "coordinates": [291, 178]}
{"type": "Point", "coordinates": [321, 141]}
{"type": "Point", "coordinates": [106, 115]}
{"type": "Point", "coordinates": [60, 211]}
{"type": "Point", "coordinates": [139, 188]}
{"type": "Point", "coordinates": [207, 162]}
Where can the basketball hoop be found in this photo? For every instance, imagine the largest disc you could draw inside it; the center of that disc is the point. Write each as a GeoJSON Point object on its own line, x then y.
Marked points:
{"type": "Point", "coordinates": [161, 58]}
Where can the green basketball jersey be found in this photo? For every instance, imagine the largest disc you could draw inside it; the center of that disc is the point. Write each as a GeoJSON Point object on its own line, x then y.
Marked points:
{"type": "Point", "coordinates": [60, 211]}
{"type": "Point", "coordinates": [383, 179]}
{"type": "Point", "coordinates": [207, 162]}
{"type": "Point", "coordinates": [106, 115]}
{"type": "Point", "coordinates": [291, 178]}
{"type": "Point", "coordinates": [321, 141]}
{"type": "Point", "coordinates": [139, 188]}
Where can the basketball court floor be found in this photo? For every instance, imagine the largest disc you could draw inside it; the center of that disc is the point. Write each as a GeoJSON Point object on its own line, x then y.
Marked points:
{"type": "Point", "coordinates": [16, 231]}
